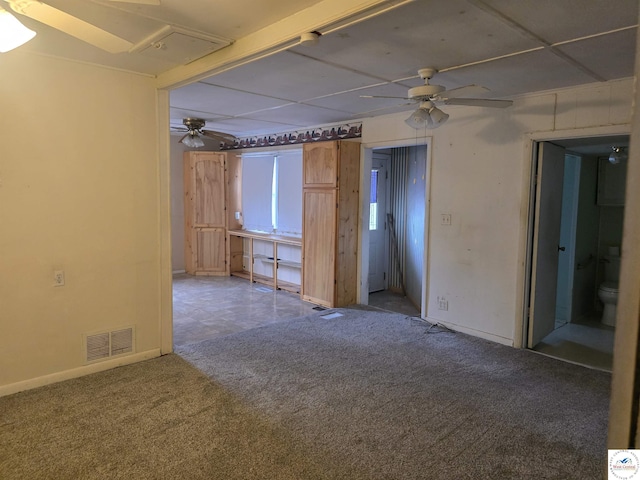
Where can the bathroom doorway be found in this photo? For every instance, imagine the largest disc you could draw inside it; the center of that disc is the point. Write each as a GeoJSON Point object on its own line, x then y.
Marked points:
{"type": "Point", "coordinates": [575, 232]}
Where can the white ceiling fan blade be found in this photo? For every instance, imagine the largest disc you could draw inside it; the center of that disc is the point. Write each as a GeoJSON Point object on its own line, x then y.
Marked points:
{"type": "Point", "coordinates": [462, 92]}
{"type": "Point", "coordinates": [71, 25]}
{"type": "Point", "coordinates": [142, 2]}
{"type": "Point", "coordinates": [401, 106]}
{"type": "Point", "coordinates": [479, 102]}
{"type": "Point", "coordinates": [383, 96]}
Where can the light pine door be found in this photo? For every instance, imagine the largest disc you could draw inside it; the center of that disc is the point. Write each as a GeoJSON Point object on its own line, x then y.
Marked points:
{"type": "Point", "coordinates": [206, 224]}
{"type": "Point", "coordinates": [319, 246]}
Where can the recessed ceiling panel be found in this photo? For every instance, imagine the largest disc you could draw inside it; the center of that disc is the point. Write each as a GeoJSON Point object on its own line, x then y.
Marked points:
{"type": "Point", "coordinates": [291, 76]}
{"type": "Point", "coordinates": [220, 101]}
{"type": "Point", "coordinates": [55, 43]}
{"type": "Point", "coordinates": [109, 16]}
{"type": "Point", "coordinates": [560, 20]}
{"type": "Point", "coordinates": [610, 56]}
{"type": "Point", "coordinates": [302, 115]}
{"type": "Point", "coordinates": [536, 71]}
{"type": "Point", "coordinates": [423, 33]}
{"type": "Point", "coordinates": [228, 19]}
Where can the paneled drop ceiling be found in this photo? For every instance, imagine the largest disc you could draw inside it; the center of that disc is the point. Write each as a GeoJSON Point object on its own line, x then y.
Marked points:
{"type": "Point", "coordinates": [511, 47]}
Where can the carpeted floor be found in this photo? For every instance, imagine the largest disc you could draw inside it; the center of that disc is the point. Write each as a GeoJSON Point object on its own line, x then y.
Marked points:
{"type": "Point", "coordinates": [366, 395]}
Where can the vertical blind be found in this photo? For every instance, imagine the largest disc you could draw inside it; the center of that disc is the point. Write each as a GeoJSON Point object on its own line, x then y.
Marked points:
{"type": "Point", "coordinates": [257, 174]}
{"type": "Point", "coordinates": [258, 184]}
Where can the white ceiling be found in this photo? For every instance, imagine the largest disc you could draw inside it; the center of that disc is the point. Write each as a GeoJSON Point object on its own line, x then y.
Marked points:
{"type": "Point", "coordinates": [511, 47]}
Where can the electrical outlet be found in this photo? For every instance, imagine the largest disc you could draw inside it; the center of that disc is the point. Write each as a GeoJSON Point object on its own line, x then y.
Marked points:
{"type": "Point", "coordinates": [58, 278]}
{"type": "Point", "coordinates": [445, 219]}
{"type": "Point", "coordinates": [443, 304]}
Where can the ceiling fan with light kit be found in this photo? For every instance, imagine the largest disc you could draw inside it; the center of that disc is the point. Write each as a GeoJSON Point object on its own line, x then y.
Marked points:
{"type": "Point", "coordinates": [428, 115]}
{"type": "Point", "coordinates": [195, 133]}
{"type": "Point", "coordinates": [74, 26]}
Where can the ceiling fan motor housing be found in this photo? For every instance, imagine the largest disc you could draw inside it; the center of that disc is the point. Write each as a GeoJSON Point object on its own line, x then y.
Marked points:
{"type": "Point", "coordinates": [425, 91]}
{"type": "Point", "coordinates": [193, 123]}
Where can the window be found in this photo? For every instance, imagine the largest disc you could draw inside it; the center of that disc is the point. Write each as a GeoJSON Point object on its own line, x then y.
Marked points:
{"type": "Point", "coordinates": [272, 191]}
{"type": "Point", "coordinates": [373, 201]}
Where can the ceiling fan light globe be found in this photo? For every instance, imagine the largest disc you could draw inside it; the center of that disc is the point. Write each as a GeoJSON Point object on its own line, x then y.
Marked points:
{"type": "Point", "coordinates": [12, 32]}
{"type": "Point", "coordinates": [618, 154]}
{"type": "Point", "coordinates": [438, 117]}
{"type": "Point", "coordinates": [193, 140]}
{"type": "Point", "coordinates": [419, 119]}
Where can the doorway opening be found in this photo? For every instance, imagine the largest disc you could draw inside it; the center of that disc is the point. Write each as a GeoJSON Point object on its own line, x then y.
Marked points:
{"type": "Point", "coordinates": [575, 232]}
{"type": "Point", "coordinates": [397, 229]}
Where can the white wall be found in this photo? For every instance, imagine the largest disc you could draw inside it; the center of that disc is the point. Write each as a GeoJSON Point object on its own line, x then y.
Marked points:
{"type": "Point", "coordinates": [78, 192]}
{"type": "Point", "coordinates": [480, 168]}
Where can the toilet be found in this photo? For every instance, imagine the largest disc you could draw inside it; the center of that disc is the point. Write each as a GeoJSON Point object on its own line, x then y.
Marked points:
{"type": "Point", "coordinates": [608, 291]}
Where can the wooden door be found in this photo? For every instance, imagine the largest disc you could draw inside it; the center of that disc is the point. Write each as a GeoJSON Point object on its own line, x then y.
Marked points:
{"type": "Point", "coordinates": [544, 277]}
{"type": "Point", "coordinates": [205, 213]}
{"type": "Point", "coordinates": [319, 246]}
{"type": "Point", "coordinates": [320, 165]}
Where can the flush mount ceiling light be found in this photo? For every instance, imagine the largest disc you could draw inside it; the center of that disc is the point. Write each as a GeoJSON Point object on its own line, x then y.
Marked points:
{"type": "Point", "coordinates": [618, 154]}
{"type": "Point", "coordinates": [12, 32]}
{"type": "Point", "coordinates": [427, 116]}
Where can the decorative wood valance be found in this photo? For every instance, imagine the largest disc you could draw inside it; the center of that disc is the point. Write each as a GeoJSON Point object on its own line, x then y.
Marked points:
{"type": "Point", "coordinates": [337, 132]}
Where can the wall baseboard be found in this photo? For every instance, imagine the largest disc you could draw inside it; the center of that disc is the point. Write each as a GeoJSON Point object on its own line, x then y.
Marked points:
{"type": "Point", "coordinates": [77, 372]}
{"type": "Point", "coordinates": [476, 333]}
{"type": "Point", "coordinates": [178, 272]}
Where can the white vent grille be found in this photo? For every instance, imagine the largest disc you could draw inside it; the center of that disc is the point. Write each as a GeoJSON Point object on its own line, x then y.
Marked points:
{"type": "Point", "coordinates": [122, 341]}
{"type": "Point", "coordinates": [103, 345]}
{"type": "Point", "coordinates": [97, 347]}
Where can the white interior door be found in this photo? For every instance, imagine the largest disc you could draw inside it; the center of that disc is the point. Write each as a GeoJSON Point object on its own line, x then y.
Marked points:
{"type": "Point", "coordinates": [548, 210]}
{"type": "Point", "coordinates": [568, 230]}
{"type": "Point", "coordinates": [378, 242]}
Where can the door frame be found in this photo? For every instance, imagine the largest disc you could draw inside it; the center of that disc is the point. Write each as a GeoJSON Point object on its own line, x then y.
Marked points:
{"type": "Point", "coordinates": [527, 214]}
{"type": "Point", "coordinates": [366, 158]}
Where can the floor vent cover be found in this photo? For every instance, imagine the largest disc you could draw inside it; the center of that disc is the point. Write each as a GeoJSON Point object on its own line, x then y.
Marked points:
{"type": "Point", "coordinates": [104, 345]}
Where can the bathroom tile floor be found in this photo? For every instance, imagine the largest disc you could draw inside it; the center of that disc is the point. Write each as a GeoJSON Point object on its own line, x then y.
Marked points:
{"type": "Point", "coordinates": [209, 307]}
{"type": "Point", "coordinates": [586, 341]}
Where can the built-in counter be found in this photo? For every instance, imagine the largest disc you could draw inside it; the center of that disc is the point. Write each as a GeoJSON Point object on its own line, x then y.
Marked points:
{"type": "Point", "coordinates": [270, 259]}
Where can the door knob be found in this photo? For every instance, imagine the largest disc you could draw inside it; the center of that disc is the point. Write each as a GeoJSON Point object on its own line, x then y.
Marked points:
{"type": "Point", "coordinates": [561, 249]}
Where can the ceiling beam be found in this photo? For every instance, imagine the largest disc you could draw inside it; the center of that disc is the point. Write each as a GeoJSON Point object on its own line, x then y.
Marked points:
{"type": "Point", "coordinates": [325, 16]}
